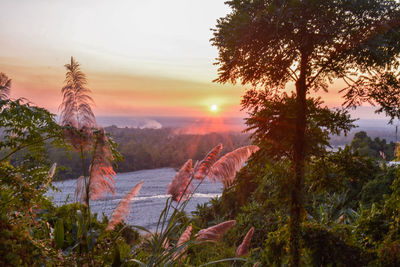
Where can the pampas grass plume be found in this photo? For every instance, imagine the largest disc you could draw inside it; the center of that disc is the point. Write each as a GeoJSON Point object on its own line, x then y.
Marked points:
{"type": "Point", "coordinates": [214, 233]}
{"type": "Point", "coordinates": [204, 166]}
{"type": "Point", "coordinates": [243, 249]}
{"type": "Point", "coordinates": [80, 190]}
{"type": "Point", "coordinates": [122, 210]}
{"type": "Point", "coordinates": [101, 176]}
{"type": "Point", "coordinates": [225, 168]}
{"type": "Point", "coordinates": [182, 240]}
{"type": "Point", "coordinates": [180, 187]}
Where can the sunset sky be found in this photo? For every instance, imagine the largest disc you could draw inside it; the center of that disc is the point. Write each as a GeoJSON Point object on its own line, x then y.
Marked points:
{"type": "Point", "coordinates": [142, 58]}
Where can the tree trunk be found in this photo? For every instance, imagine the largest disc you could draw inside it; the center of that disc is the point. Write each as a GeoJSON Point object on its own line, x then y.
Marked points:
{"type": "Point", "coordinates": [296, 204]}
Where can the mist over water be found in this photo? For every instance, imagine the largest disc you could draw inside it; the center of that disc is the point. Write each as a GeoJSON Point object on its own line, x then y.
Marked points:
{"type": "Point", "coordinates": [230, 123]}
{"type": "Point", "coordinates": [147, 206]}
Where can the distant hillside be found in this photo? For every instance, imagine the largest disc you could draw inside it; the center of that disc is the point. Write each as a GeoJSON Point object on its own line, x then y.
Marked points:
{"type": "Point", "coordinates": [374, 128]}
{"type": "Point", "coordinates": [152, 148]}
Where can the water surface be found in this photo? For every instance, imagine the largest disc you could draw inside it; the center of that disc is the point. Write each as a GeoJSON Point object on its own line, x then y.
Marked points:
{"type": "Point", "coordinates": [147, 206]}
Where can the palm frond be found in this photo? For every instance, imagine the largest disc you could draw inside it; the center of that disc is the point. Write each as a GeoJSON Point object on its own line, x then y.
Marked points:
{"type": "Point", "coordinates": [204, 166]}
{"type": "Point", "coordinates": [225, 168]}
{"type": "Point", "coordinates": [243, 249]}
{"type": "Point", "coordinates": [5, 86]}
{"type": "Point", "coordinates": [101, 172]}
{"type": "Point", "coordinates": [180, 187]}
{"type": "Point", "coordinates": [122, 210]}
{"type": "Point", "coordinates": [214, 233]}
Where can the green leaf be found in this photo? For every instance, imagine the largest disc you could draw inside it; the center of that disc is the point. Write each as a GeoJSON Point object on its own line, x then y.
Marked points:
{"type": "Point", "coordinates": [59, 233]}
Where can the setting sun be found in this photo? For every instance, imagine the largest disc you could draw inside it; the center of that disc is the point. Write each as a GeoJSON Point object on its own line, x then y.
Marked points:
{"type": "Point", "coordinates": [214, 108]}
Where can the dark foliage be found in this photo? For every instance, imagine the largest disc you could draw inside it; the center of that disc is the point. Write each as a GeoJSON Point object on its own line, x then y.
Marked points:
{"type": "Point", "coordinates": [376, 148]}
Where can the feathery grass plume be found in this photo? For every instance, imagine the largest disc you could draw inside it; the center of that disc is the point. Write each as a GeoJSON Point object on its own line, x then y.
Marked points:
{"type": "Point", "coordinates": [256, 264]}
{"type": "Point", "coordinates": [80, 189]}
{"type": "Point", "coordinates": [50, 175]}
{"type": "Point", "coordinates": [215, 232]}
{"type": "Point", "coordinates": [122, 210]}
{"type": "Point", "coordinates": [101, 172]}
{"type": "Point", "coordinates": [225, 168]}
{"type": "Point", "coordinates": [196, 166]}
{"type": "Point", "coordinates": [244, 248]}
{"type": "Point", "coordinates": [76, 112]}
{"type": "Point", "coordinates": [182, 240]}
{"type": "Point", "coordinates": [80, 139]}
{"type": "Point", "coordinates": [75, 108]}
{"type": "Point", "coordinates": [397, 151]}
{"type": "Point", "coordinates": [204, 166]}
{"type": "Point", "coordinates": [52, 170]}
{"type": "Point", "coordinates": [5, 85]}
{"type": "Point", "coordinates": [180, 187]}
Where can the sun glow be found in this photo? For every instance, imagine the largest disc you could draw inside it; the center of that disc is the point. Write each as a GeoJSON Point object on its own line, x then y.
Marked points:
{"type": "Point", "coordinates": [214, 108]}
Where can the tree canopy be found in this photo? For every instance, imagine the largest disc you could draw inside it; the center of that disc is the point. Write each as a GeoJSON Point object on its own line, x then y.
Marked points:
{"type": "Point", "coordinates": [264, 42]}
{"type": "Point", "coordinates": [271, 44]}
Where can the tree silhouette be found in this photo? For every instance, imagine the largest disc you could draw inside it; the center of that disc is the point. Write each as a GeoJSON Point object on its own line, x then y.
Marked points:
{"type": "Point", "coordinates": [5, 86]}
{"type": "Point", "coordinates": [309, 43]}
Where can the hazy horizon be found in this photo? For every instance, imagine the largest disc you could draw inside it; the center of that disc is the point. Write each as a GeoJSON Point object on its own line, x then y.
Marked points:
{"type": "Point", "coordinates": [231, 123]}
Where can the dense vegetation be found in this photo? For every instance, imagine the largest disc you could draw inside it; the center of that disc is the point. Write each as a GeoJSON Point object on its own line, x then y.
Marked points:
{"type": "Point", "coordinates": [350, 213]}
{"type": "Point", "coordinates": [376, 148]}
{"type": "Point", "coordinates": [294, 203]}
{"type": "Point", "coordinates": [272, 45]}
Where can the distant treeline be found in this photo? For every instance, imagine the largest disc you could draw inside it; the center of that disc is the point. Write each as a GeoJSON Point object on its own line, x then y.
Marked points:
{"type": "Point", "coordinates": [150, 149]}
{"type": "Point", "coordinates": [158, 148]}
{"type": "Point", "coordinates": [375, 148]}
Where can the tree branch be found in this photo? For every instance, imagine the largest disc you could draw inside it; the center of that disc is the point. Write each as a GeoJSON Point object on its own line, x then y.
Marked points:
{"type": "Point", "coordinates": [25, 146]}
{"type": "Point", "coordinates": [293, 74]}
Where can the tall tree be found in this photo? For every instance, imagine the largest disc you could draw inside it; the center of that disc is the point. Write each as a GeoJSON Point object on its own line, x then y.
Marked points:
{"type": "Point", "coordinates": [309, 43]}
{"type": "Point", "coordinates": [5, 86]}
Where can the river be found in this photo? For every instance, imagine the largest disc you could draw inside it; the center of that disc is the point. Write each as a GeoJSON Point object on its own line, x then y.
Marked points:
{"type": "Point", "coordinates": [147, 206]}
